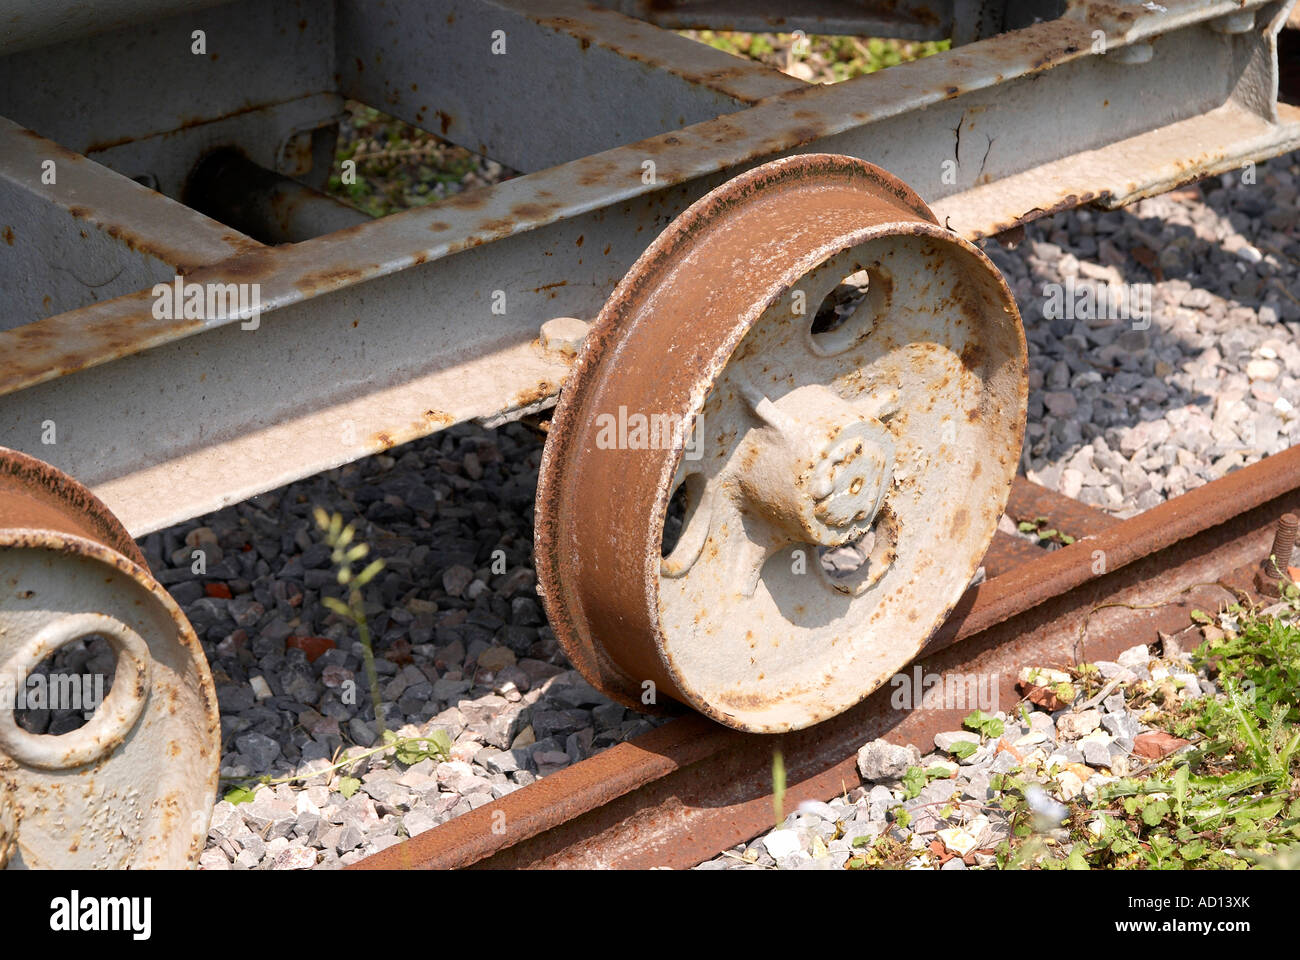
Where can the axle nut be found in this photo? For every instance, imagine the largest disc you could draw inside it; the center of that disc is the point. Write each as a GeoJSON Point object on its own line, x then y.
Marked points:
{"type": "Point", "coordinates": [851, 482]}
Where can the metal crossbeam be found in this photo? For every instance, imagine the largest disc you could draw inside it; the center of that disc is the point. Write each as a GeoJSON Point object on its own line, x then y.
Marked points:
{"type": "Point", "coordinates": [553, 81]}
{"type": "Point", "coordinates": [79, 234]}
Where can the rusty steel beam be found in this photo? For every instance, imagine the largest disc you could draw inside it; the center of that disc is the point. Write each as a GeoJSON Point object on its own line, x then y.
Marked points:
{"type": "Point", "coordinates": [1029, 501]}
{"type": "Point", "coordinates": [255, 55]}
{"type": "Point", "coordinates": [554, 81]}
{"type": "Point", "coordinates": [1007, 552]}
{"type": "Point", "coordinates": [400, 311]}
{"type": "Point", "coordinates": [683, 792]}
{"type": "Point", "coordinates": [906, 19]}
{"type": "Point", "coordinates": [106, 235]}
{"type": "Point", "coordinates": [39, 23]}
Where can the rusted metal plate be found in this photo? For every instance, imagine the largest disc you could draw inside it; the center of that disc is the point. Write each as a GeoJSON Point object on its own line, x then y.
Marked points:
{"type": "Point", "coordinates": [38, 23]}
{"type": "Point", "coordinates": [785, 439]}
{"type": "Point", "coordinates": [690, 788]}
{"type": "Point", "coordinates": [1028, 501]}
{"type": "Point", "coordinates": [808, 117]}
{"type": "Point", "coordinates": [1206, 508]}
{"type": "Point", "coordinates": [133, 787]}
{"type": "Point", "coordinates": [1006, 552]}
{"type": "Point", "coordinates": [257, 74]}
{"type": "Point", "coordinates": [254, 54]}
{"type": "Point", "coordinates": [1031, 502]}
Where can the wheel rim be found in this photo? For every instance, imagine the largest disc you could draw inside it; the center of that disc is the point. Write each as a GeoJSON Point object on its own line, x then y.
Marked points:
{"type": "Point", "coordinates": [134, 786]}
{"type": "Point", "coordinates": [904, 423]}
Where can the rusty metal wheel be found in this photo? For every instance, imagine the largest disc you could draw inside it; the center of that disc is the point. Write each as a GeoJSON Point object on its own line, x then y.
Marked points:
{"type": "Point", "coordinates": [837, 473]}
{"type": "Point", "coordinates": [134, 785]}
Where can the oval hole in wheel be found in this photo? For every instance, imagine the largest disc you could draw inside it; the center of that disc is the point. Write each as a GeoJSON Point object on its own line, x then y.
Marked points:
{"type": "Point", "coordinates": [62, 692]}
{"type": "Point", "coordinates": [847, 315]}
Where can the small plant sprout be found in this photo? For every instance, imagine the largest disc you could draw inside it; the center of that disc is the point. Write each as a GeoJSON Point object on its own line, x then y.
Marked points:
{"type": "Point", "coordinates": [778, 786]}
{"type": "Point", "coordinates": [407, 750]}
{"type": "Point", "coordinates": [346, 553]}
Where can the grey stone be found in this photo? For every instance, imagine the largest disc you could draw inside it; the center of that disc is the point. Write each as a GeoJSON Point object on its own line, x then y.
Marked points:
{"type": "Point", "coordinates": [1191, 685]}
{"type": "Point", "coordinates": [295, 858]}
{"type": "Point", "coordinates": [1072, 726]}
{"type": "Point", "coordinates": [1095, 753]}
{"type": "Point", "coordinates": [259, 748]}
{"type": "Point", "coordinates": [267, 817]}
{"type": "Point", "coordinates": [497, 761]}
{"type": "Point", "coordinates": [1134, 657]}
{"type": "Point", "coordinates": [1121, 725]}
{"type": "Point", "coordinates": [977, 787]}
{"type": "Point", "coordinates": [944, 741]}
{"type": "Point", "coordinates": [350, 836]}
{"type": "Point", "coordinates": [880, 760]}
{"type": "Point", "coordinates": [418, 821]}
{"type": "Point", "coordinates": [1004, 762]}
{"type": "Point", "coordinates": [361, 732]}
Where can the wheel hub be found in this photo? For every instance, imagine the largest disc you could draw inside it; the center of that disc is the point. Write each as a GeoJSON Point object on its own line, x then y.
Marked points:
{"type": "Point", "coordinates": [820, 469]}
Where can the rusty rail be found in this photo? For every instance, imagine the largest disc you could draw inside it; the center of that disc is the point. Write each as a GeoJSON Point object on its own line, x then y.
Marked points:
{"type": "Point", "coordinates": [684, 791]}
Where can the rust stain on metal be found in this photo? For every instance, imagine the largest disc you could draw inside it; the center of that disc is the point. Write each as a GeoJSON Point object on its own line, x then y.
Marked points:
{"type": "Point", "coordinates": [1029, 501]}
{"type": "Point", "coordinates": [619, 34]}
{"type": "Point", "coordinates": [776, 124]}
{"type": "Point", "coordinates": [186, 123]}
{"type": "Point", "coordinates": [330, 279]}
{"type": "Point", "coordinates": [1068, 202]}
{"type": "Point", "coordinates": [35, 495]}
{"type": "Point", "coordinates": [526, 398]}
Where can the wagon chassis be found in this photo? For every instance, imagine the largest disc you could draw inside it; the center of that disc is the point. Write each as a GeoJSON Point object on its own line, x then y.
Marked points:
{"type": "Point", "coordinates": [431, 317]}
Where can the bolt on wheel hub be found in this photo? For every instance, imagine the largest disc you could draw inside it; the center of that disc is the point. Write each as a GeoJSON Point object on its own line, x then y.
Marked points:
{"type": "Point", "coordinates": [790, 441]}
{"type": "Point", "coordinates": [827, 472]}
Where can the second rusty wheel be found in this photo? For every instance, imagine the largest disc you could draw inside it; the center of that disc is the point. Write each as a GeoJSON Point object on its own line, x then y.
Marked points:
{"type": "Point", "coordinates": [133, 785]}
{"type": "Point", "coordinates": [837, 473]}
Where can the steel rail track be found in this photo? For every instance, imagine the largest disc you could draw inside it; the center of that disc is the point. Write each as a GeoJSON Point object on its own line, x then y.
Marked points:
{"type": "Point", "coordinates": [679, 794]}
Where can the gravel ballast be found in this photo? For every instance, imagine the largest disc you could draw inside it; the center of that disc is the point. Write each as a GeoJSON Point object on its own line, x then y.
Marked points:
{"type": "Point", "coordinates": [957, 820]}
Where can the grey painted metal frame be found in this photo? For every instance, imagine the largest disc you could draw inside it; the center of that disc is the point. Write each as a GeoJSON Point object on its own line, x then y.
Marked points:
{"type": "Point", "coordinates": [387, 331]}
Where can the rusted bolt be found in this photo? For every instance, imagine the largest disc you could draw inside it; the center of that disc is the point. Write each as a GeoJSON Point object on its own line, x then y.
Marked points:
{"type": "Point", "coordinates": [1139, 52]}
{"type": "Point", "coordinates": [564, 334]}
{"type": "Point", "coordinates": [1274, 566]}
{"type": "Point", "coordinates": [1242, 21]}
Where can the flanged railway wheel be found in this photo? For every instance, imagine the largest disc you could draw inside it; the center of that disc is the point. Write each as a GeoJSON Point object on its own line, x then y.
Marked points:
{"type": "Point", "coordinates": [133, 786]}
{"type": "Point", "coordinates": [836, 473]}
